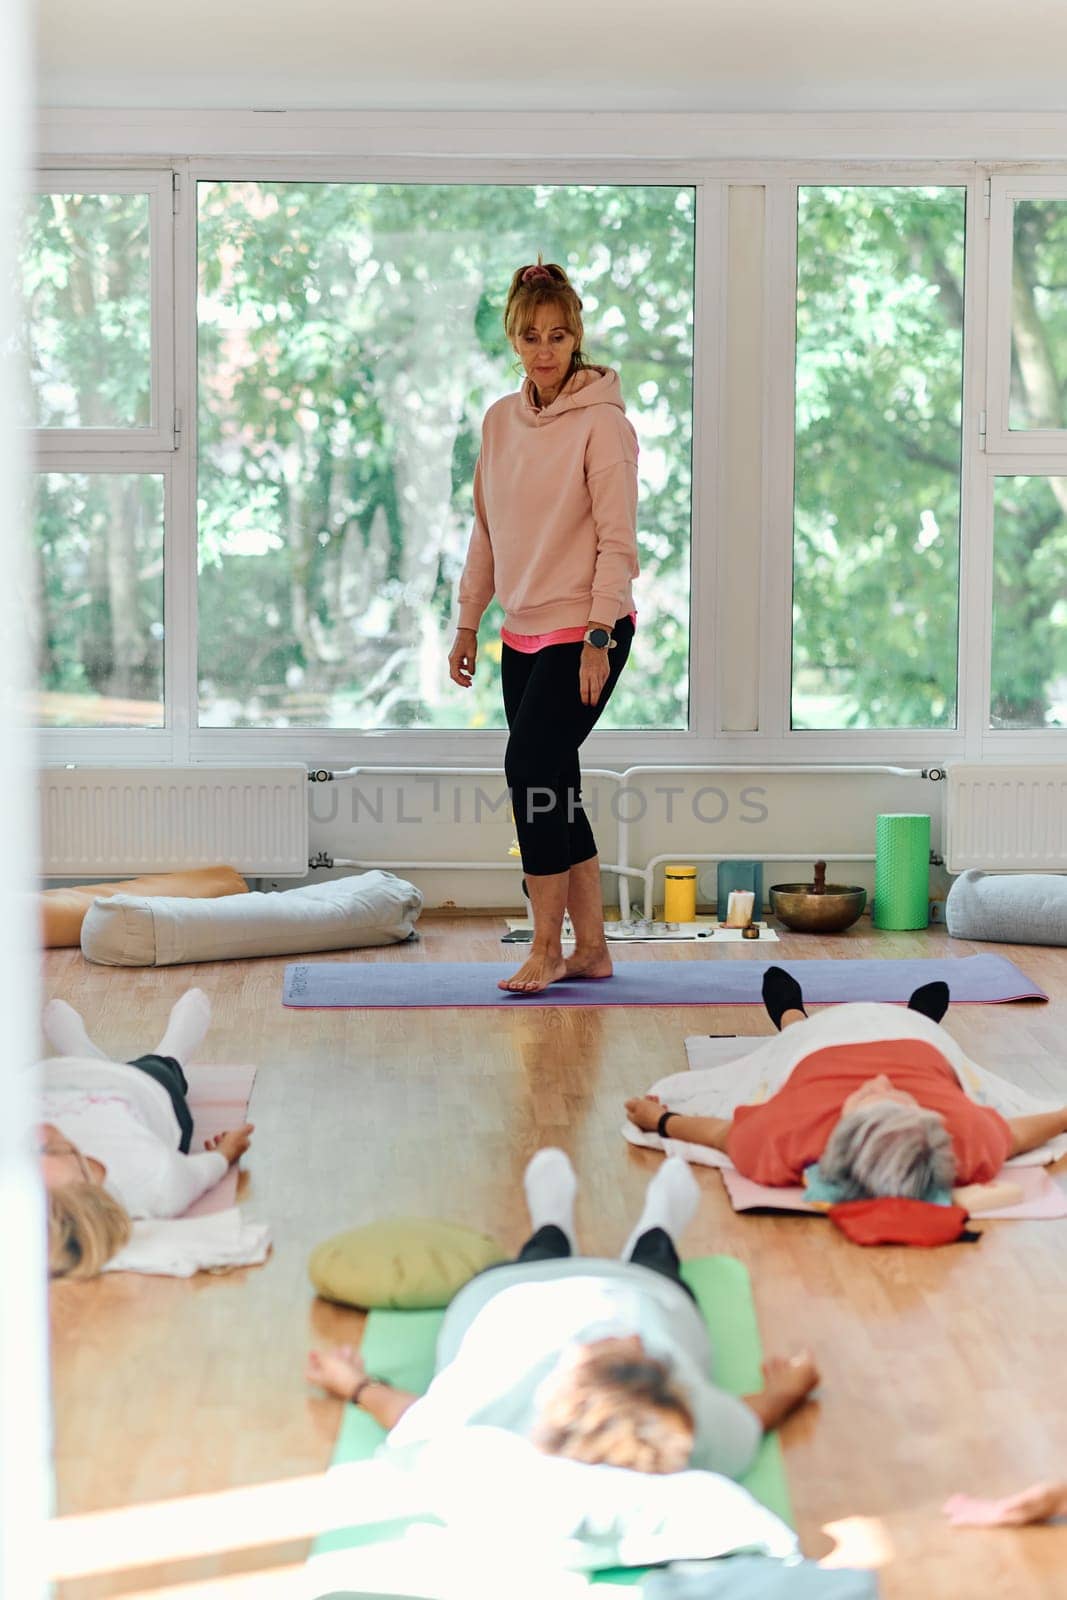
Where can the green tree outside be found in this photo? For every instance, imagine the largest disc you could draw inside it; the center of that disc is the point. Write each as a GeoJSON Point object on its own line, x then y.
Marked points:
{"type": "Point", "coordinates": [350, 343]}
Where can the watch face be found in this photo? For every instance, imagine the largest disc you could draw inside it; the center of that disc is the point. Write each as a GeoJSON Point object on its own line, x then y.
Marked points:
{"type": "Point", "coordinates": [598, 637]}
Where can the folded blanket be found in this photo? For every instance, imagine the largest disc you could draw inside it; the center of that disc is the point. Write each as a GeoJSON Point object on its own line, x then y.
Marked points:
{"type": "Point", "coordinates": [727, 1073]}
{"type": "Point", "coordinates": [178, 1247]}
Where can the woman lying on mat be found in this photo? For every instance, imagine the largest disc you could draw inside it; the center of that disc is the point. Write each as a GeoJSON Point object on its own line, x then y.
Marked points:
{"type": "Point", "coordinates": [879, 1113]}
{"type": "Point", "coordinates": [631, 1387]}
{"type": "Point", "coordinates": [115, 1142]}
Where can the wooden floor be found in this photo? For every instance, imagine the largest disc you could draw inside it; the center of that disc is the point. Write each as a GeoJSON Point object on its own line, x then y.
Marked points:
{"type": "Point", "coordinates": [943, 1370]}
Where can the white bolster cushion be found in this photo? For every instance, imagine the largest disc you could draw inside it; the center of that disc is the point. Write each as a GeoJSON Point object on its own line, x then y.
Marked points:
{"type": "Point", "coordinates": [1008, 908]}
{"type": "Point", "coordinates": [128, 930]}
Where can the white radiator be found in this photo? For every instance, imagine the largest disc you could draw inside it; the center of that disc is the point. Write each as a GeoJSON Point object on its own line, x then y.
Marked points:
{"type": "Point", "coordinates": [116, 821]}
{"type": "Point", "coordinates": [1007, 819]}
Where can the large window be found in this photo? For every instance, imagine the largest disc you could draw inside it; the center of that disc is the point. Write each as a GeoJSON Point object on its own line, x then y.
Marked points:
{"type": "Point", "coordinates": [256, 548]}
{"type": "Point", "coordinates": [350, 340]}
{"type": "Point", "coordinates": [98, 612]}
{"type": "Point", "coordinates": [1029, 668]}
{"type": "Point", "coordinates": [88, 277]}
{"type": "Point", "coordinates": [879, 372]}
{"type": "Point", "coordinates": [97, 267]}
{"type": "Point", "coordinates": [1039, 314]}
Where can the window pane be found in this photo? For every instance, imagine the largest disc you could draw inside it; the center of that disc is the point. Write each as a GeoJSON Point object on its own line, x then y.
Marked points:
{"type": "Point", "coordinates": [99, 600]}
{"type": "Point", "coordinates": [350, 342]}
{"type": "Point", "coordinates": [1039, 315]}
{"type": "Point", "coordinates": [1029, 675]}
{"type": "Point", "coordinates": [87, 277]}
{"type": "Point", "coordinates": [879, 373]}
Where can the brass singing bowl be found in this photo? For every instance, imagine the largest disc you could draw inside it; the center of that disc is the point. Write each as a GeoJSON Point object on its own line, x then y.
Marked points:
{"type": "Point", "coordinates": [805, 912]}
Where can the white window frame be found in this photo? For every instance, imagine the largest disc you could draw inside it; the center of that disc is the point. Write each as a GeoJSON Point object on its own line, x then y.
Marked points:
{"type": "Point", "coordinates": [1012, 743]}
{"type": "Point", "coordinates": [1003, 193]}
{"type": "Point", "coordinates": [919, 745]}
{"type": "Point", "coordinates": [161, 431]}
{"type": "Point", "coordinates": [461, 746]}
{"type": "Point", "coordinates": [137, 746]}
{"type": "Point", "coordinates": [1024, 452]}
{"type": "Point", "coordinates": [182, 741]}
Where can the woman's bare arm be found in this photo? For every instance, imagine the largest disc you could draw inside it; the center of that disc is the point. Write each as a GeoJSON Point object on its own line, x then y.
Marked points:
{"type": "Point", "coordinates": [1028, 1133]}
{"type": "Point", "coordinates": [713, 1132]}
{"type": "Point", "coordinates": [341, 1372]}
{"type": "Point", "coordinates": [1037, 1504]}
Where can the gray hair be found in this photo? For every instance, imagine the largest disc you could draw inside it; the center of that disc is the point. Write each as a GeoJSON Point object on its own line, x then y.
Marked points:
{"type": "Point", "coordinates": [888, 1149]}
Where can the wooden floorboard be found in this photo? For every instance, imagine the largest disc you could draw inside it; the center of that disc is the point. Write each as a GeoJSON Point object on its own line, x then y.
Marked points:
{"type": "Point", "coordinates": [942, 1369]}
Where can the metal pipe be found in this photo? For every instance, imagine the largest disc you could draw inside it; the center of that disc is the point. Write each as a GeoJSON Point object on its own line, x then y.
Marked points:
{"type": "Point", "coordinates": [622, 869]}
{"type": "Point", "coordinates": [436, 772]}
{"type": "Point", "coordinates": [805, 767]}
{"type": "Point", "coordinates": [456, 866]}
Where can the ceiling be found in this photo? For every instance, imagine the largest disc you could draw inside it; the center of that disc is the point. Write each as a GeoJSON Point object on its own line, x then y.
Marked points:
{"type": "Point", "coordinates": [555, 55]}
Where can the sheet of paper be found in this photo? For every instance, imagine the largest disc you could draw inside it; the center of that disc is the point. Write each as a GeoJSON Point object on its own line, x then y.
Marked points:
{"type": "Point", "coordinates": [703, 929]}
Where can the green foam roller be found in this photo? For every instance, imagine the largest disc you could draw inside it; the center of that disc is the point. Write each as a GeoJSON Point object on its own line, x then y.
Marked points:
{"type": "Point", "coordinates": [902, 870]}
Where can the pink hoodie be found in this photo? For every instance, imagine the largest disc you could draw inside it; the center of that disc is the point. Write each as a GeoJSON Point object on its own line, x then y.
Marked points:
{"type": "Point", "coordinates": [555, 509]}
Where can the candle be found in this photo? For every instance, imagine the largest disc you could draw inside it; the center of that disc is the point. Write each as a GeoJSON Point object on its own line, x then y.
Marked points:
{"type": "Point", "coordinates": [739, 908]}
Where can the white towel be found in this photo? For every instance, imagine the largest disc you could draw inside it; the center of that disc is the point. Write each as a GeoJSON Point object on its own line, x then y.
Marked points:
{"type": "Point", "coordinates": [177, 1247]}
{"type": "Point", "coordinates": [727, 1073]}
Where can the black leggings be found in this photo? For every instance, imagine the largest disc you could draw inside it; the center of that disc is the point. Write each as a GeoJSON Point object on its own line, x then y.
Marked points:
{"type": "Point", "coordinates": [168, 1073]}
{"type": "Point", "coordinates": [548, 723]}
{"type": "Point", "coordinates": [653, 1249]}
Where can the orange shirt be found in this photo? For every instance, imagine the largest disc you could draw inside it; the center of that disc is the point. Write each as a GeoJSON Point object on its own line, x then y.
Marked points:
{"type": "Point", "coordinates": [772, 1143]}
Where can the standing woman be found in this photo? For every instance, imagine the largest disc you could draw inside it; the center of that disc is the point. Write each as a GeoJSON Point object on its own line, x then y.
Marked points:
{"type": "Point", "coordinates": [555, 537]}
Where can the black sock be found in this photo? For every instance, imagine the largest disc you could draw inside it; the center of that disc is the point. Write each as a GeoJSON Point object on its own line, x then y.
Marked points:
{"type": "Point", "coordinates": [781, 993]}
{"type": "Point", "coordinates": [931, 999]}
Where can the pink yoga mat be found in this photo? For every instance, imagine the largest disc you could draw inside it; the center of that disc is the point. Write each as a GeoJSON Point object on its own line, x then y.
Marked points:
{"type": "Point", "coordinates": [218, 1099]}
{"type": "Point", "coordinates": [1042, 1196]}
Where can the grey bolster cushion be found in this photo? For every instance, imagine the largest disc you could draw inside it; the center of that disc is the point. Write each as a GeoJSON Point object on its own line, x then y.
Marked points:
{"type": "Point", "coordinates": [1008, 907]}
{"type": "Point", "coordinates": [339, 914]}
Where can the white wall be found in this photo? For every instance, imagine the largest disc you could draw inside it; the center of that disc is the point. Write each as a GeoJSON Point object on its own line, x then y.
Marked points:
{"type": "Point", "coordinates": [686, 55]}
{"type": "Point", "coordinates": [465, 819]}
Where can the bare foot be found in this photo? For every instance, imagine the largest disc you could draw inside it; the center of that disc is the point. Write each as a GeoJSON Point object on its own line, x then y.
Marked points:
{"type": "Point", "coordinates": [536, 973]}
{"type": "Point", "coordinates": [594, 963]}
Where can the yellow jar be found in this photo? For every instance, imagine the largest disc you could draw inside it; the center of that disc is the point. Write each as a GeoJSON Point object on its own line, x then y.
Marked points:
{"type": "Point", "coordinates": [679, 894]}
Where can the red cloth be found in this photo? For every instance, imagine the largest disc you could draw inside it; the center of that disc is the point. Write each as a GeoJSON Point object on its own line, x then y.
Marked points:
{"type": "Point", "coordinates": [895, 1221]}
{"type": "Point", "coordinates": [773, 1142]}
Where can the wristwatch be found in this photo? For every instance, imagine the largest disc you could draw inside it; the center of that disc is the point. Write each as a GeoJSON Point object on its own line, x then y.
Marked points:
{"type": "Point", "coordinates": [599, 638]}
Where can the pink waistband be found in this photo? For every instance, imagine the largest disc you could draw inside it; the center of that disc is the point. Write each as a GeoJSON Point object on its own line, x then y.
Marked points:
{"type": "Point", "coordinates": [528, 644]}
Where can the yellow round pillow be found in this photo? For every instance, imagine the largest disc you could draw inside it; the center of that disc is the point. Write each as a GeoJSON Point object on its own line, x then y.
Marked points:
{"type": "Point", "coordinates": [404, 1264]}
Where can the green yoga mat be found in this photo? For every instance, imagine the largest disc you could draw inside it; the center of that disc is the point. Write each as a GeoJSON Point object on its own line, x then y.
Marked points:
{"type": "Point", "coordinates": [399, 1345]}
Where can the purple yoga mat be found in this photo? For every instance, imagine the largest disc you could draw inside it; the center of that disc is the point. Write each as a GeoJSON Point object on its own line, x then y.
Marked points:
{"type": "Point", "coordinates": [364, 983]}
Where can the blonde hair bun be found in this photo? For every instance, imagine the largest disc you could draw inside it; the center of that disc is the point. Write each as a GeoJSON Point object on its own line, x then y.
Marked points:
{"type": "Point", "coordinates": [538, 284]}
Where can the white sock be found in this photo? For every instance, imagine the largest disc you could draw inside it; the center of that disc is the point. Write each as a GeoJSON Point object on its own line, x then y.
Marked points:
{"type": "Point", "coordinates": [65, 1031]}
{"type": "Point", "coordinates": [671, 1201]}
{"type": "Point", "coordinates": [551, 1186]}
{"type": "Point", "coordinates": [189, 1020]}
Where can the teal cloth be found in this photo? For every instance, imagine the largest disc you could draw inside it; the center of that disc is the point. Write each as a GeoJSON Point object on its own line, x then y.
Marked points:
{"type": "Point", "coordinates": [400, 1346]}
{"type": "Point", "coordinates": [761, 1578]}
{"type": "Point", "coordinates": [821, 1192]}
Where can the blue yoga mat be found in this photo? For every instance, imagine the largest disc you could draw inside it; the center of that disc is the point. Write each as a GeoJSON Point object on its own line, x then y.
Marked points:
{"type": "Point", "coordinates": [364, 983]}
